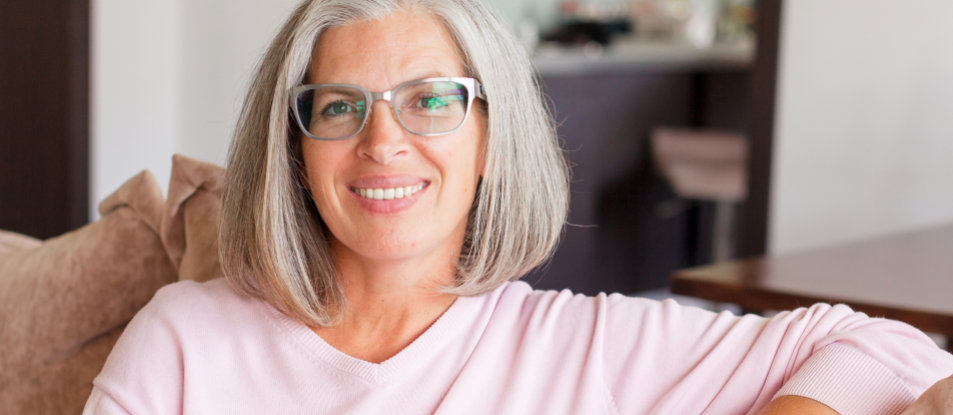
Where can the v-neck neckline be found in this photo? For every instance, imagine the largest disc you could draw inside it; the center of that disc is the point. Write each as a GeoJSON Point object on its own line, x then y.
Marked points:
{"type": "Point", "coordinates": [443, 330]}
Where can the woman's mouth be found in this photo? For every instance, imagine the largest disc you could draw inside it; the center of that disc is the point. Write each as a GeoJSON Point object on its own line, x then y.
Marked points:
{"type": "Point", "coordinates": [388, 193]}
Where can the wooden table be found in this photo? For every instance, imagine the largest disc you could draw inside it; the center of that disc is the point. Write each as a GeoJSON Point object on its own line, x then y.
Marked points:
{"type": "Point", "coordinates": [907, 277]}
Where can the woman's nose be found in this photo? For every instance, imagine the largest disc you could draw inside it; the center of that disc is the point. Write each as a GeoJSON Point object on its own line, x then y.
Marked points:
{"type": "Point", "coordinates": [383, 139]}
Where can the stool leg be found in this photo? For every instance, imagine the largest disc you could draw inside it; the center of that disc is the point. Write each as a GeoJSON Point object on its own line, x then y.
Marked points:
{"type": "Point", "coordinates": [721, 249]}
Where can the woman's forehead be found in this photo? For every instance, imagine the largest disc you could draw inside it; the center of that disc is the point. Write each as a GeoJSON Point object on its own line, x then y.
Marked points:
{"type": "Point", "coordinates": [386, 51]}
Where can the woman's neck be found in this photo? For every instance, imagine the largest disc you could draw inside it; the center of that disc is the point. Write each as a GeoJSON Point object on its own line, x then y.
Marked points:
{"type": "Point", "coordinates": [375, 328]}
{"type": "Point", "coordinates": [389, 305]}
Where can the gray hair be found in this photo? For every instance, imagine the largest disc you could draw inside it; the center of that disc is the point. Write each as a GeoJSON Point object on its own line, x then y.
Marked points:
{"type": "Point", "coordinates": [273, 243]}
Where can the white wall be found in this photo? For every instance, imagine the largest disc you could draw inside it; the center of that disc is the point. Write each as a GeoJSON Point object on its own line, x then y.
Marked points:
{"type": "Point", "coordinates": [134, 91]}
{"type": "Point", "coordinates": [168, 76]}
{"type": "Point", "coordinates": [864, 133]}
{"type": "Point", "coordinates": [224, 40]}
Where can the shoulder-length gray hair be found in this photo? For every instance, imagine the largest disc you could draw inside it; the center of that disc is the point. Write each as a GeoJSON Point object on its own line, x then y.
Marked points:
{"type": "Point", "coordinates": [274, 245]}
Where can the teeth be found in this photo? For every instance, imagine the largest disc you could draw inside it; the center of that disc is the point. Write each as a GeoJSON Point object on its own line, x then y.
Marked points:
{"type": "Point", "coordinates": [389, 193]}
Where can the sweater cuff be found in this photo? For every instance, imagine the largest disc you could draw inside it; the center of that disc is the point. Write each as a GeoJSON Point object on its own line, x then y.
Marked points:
{"type": "Point", "coordinates": [850, 382]}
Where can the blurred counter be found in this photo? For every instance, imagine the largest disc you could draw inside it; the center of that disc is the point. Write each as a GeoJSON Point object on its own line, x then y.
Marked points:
{"type": "Point", "coordinates": [632, 55]}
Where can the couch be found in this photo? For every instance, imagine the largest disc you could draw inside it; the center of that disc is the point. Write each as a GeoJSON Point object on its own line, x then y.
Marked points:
{"type": "Point", "coordinates": [65, 301]}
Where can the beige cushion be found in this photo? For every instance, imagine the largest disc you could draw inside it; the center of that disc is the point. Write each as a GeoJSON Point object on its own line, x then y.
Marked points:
{"type": "Point", "coordinates": [190, 220]}
{"type": "Point", "coordinates": [63, 302]}
{"type": "Point", "coordinates": [12, 242]}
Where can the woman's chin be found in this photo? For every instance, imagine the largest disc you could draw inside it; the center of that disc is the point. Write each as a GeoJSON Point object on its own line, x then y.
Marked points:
{"type": "Point", "coordinates": [405, 253]}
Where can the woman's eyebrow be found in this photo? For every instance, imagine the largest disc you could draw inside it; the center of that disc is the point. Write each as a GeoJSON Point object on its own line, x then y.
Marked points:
{"type": "Point", "coordinates": [430, 74]}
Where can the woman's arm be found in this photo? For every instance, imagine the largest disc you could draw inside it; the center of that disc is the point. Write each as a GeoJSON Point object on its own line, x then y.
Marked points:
{"type": "Point", "coordinates": [937, 400]}
{"type": "Point", "coordinates": [852, 363]}
{"type": "Point", "coordinates": [791, 404]}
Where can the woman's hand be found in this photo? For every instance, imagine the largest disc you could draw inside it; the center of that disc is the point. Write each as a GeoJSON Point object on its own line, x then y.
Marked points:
{"type": "Point", "coordinates": [938, 400]}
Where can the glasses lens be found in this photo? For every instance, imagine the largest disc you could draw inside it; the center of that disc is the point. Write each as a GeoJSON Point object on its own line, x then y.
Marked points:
{"type": "Point", "coordinates": [432, 107]}
{"type": "Point", "coordinates": [331, 112]}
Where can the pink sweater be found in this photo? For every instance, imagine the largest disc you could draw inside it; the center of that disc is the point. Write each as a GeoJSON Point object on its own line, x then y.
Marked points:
{"type": "Point", "coordinates": [203, 349]}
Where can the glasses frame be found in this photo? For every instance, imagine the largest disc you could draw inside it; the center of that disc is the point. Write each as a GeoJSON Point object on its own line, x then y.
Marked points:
{"type": "Point", "coordinates": [474, 90]}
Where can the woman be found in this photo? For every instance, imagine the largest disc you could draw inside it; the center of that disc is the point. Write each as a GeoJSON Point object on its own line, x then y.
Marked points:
{"type": "Point", "coordinates": [393, 171]}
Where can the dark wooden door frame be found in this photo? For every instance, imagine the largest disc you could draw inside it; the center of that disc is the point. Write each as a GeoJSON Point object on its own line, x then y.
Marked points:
{"type": "Point", "coordinates": [762, 95]}
{"type": "Point", "coordinates": [44, 115]}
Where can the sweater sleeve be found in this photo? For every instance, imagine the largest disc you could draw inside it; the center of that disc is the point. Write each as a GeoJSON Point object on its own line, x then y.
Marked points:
{"type": "Point", "coordinates": [99, 403]}
{"type": "Point", "coordinates": [143, 373]}
{"type": "Point", "coordinates": [661, 357]}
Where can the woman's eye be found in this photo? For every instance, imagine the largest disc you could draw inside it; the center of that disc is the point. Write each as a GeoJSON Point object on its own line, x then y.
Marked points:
{"type": "Point", "coordinates": [432, 102]}
{"type": "Point", "coordinates": [337, 108]}
{"type": "Point", "coordinates": [440, 102]}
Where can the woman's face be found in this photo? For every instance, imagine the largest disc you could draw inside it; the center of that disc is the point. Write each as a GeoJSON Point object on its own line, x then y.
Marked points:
{"type": "Point", "coordinates": [438, 175]}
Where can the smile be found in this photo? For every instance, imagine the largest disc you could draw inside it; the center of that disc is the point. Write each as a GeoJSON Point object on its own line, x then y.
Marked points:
{"type": "Point", "coordinates": [388, 193]}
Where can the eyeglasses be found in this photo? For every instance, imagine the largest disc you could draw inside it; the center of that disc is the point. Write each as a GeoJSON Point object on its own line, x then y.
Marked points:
{"type": "Point", "coordinates": [427, 107]}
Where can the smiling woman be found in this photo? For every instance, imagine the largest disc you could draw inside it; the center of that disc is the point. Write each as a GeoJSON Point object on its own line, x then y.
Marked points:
{"type": "Point", "coordinates": [389, 46]}
{"type": "Point", "coordinates": [350, 180]}
{"type": "Point", "coordinates": [394, 172]}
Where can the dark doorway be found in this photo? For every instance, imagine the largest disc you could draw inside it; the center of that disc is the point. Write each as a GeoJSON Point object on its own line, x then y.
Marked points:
{"type": "Point", "coordinates": [44, 115]}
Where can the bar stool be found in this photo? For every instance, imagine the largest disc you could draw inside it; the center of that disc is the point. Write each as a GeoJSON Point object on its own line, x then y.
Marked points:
{"type": "Point", "coordinates": [706, 165]}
